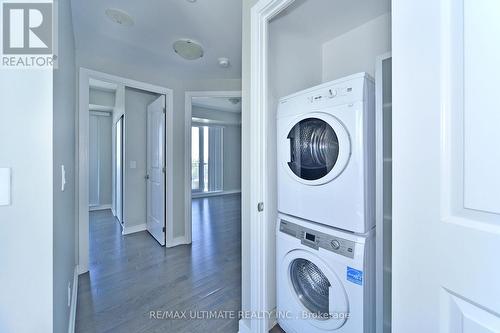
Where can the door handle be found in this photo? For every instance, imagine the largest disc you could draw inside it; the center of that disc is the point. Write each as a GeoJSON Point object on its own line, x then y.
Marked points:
{"type": "Point", "coordinates": [146, 177]}
{"type": "Point", "coordinates": [260, 206]}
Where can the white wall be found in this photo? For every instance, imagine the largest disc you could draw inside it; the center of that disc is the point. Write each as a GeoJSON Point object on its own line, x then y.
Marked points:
{"type": "Point", "coordinates": [179, 87]}
{"type": "Point", "coordinates": [232, 158]}
{"type": "Point", "coordinates": [134, 196]}
{"type": "Point", "coordinates": [295, 60]}
{"type": "Point", "coordinates": [65, 244]}
{"type": "Point", "coordinates": [37, 231]}
{"type": "Point", "coordinates": [101, 97]}
{"type": "Point", "coordinates": [356, 50]}
{"type": "Point", "coordinates": [231, 144]}
{"type": "Point", "coordinates": [26, 226]}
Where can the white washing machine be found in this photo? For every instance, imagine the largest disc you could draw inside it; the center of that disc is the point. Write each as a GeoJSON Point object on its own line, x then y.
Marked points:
{"type": "Point", "coordinates": [326, 154]}
{"type": "Point", "coordinates": [325, 279]}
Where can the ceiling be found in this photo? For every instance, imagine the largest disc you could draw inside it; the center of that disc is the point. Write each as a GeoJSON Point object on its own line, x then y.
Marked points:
{"type": "Point", "coordinates": [322, 20]}
{"type": "Point", "coordinates": [218, 103]}
{"type": "Point", "coordinates": [215, 24]}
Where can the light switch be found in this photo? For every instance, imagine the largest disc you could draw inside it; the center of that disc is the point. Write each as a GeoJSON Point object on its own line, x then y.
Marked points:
{"type": "Point", "coordinates": [133, 164]}
{"type": "Point", "coordinates": [5, 186]}
{"type": "Point", "coordinates": [63, 178]}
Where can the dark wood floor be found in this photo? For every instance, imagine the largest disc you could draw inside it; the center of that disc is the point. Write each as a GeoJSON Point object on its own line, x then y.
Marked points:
{"type": "Point", "coordinates": [130, 276]}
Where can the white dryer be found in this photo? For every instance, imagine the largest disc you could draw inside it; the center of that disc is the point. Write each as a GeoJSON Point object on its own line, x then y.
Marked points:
{"type": "Point", "coordinates": [325, 279]}
{"type": "Point", "coordinates": [326, 154]}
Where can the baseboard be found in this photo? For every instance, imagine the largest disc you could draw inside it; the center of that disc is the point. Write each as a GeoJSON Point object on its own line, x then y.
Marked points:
{"type": "Point", "coordinates": [74, 297]}
{"type": "Point", "coordinates": [133, 229]}
{"type": "Point", "coordinates": [113, 211]}
{"type": "Point", "coordinates": [99, 207]}
{"type": "Point", "coordinates": [243, 327]}
{"type": "Point", "coordinates": [82, 270]}
{"type": "Point", "coordinates": [213, 194]}
{"type": "Point", "coordinates": [177, 241]}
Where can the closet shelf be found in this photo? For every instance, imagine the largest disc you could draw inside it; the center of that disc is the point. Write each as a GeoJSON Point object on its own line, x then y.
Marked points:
{"type": "Point", "coordinates": [98, 107]}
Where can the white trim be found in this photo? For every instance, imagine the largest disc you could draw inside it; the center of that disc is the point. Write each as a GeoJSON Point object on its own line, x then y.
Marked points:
{"type": "Point", "coordinates": [260, 242]}
{"type": "Point", "coordinates": [181, 240]}
{"type": "Point", "coordinates": [83, 152]}
{"type": "Point", "coordinates": [100, 108]}
{"type": "Point", "coordinates": [99, 207]}
{"type": "Point", "coordinates": [205, 122]}
{"type": "Point", "coordinates": [133, 229]}
{"type": "Point", "coordinates": [74, 296]}
{"type": "Point", "coordinates": [187, 151]}
{"type": "Point", "coordinates": [243, 327]}
{"type": "Point", "coordinates": [213, 194]}
{"type": "Point", "coordinates": [379, 193]}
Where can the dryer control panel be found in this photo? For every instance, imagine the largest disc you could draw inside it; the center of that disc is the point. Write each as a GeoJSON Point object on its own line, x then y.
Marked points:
{"type": "Point", "coordinates": [315, 239]}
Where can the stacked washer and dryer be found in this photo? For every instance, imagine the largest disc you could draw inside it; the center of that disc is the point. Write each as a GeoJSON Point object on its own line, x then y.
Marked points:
{"type": "Point", "coordinates": [326, 203]}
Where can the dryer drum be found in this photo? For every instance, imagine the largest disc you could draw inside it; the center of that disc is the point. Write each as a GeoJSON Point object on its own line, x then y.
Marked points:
{"type": "Point", "coordinates": [314, 148]}
{"type": "Point", "coordinates": [311, 286]}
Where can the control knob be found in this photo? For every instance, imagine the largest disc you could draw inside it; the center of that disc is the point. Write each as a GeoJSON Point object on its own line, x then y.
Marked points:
{"type": "Point", "coordinates": [335, 244]}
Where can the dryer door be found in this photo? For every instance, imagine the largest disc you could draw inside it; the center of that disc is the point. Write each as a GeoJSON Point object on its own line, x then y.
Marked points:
{"type": "Point", "coordinates": [316, 289]}
{"type": "Point", "coordinates": [319, 148]}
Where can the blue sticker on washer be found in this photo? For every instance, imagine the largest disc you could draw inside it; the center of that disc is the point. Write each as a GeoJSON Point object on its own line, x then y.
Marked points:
{"type": "Point", "coordinates": [354, 275]}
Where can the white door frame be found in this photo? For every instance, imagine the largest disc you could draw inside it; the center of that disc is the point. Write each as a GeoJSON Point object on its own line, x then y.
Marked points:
{"type": "Point", "coordinates": [187, 150]}
{"type": "Point", "coordinates": [260, 244]}
{"type": "Point", "coordinates": [82, 157]}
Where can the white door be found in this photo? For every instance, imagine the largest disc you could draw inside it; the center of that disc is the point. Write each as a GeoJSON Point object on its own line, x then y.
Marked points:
{"type": "Point", "coordinates": [446, 166]}
{"type": "Point", "coordinates": [156, 169]}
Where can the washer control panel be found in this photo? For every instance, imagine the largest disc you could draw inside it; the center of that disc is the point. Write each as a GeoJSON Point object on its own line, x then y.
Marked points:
{"type": "Point", "coordinates": [315, 239]}
{"type": "Point", "coordinates": [329, 94]}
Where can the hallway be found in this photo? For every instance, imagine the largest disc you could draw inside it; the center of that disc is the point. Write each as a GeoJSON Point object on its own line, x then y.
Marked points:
{"type": "Point", "coordinates": [130, 276]}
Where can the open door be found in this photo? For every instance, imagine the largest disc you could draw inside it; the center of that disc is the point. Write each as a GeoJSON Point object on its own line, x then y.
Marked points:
{"type": "Point", "coordinates": [446, 160]}
{"type": "Point", "coordinates": [156, 169]}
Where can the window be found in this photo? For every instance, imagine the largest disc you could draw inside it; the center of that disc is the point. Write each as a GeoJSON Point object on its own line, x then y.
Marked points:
{"type": "Point", "coordinates": [206, 158]}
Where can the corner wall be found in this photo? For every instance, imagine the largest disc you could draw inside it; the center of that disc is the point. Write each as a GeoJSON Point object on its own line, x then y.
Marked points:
{"type": "Point", "coordinates": [64, 143]}
{"type": "Point", "coordinates": [356, 50]}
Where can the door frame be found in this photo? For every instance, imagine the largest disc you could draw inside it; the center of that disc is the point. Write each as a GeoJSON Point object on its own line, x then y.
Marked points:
{"type": "Point", "coordinates": [260, 270]}
{"type": "Point", "coordinates": [82, 156]}
{"type": "Point", "coordinates": [188, 96]}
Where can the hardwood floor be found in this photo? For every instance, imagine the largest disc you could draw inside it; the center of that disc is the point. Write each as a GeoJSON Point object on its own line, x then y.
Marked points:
{"type": "Point", "coordinates": [132, 276]}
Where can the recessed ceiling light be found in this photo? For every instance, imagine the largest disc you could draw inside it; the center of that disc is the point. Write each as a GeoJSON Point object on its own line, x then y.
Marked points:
{"type": "Point", "coordinates": [188, 49]}
{"type": "Point", "coordinates": [119, 16]}
{"type": "Point", "coordinates": [191, 0]}
{"type": "Point", "coordinates": [224, 62]}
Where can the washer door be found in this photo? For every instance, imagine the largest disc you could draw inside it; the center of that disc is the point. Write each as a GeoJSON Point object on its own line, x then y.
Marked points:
{"type": "Point", "coordinates": [317, 290]}
{"type": "Point", "coordinates": [319, 148]}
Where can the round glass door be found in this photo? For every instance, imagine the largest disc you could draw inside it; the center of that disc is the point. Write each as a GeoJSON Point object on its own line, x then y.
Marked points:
{"type": "Point", "coordinates": [314, 149]}
{"type": "Point", "coordinates": [311, 286]}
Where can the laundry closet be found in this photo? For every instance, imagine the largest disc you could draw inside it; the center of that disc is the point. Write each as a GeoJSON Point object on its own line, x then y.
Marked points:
{"type": "Point", "coordinates": [330, 55]}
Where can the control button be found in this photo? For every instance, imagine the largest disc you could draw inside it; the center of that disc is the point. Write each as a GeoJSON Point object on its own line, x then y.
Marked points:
{"type": "Point", "coordinates": [335, 244]}
{"type": "Point", "coordinates": [332, 93]}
